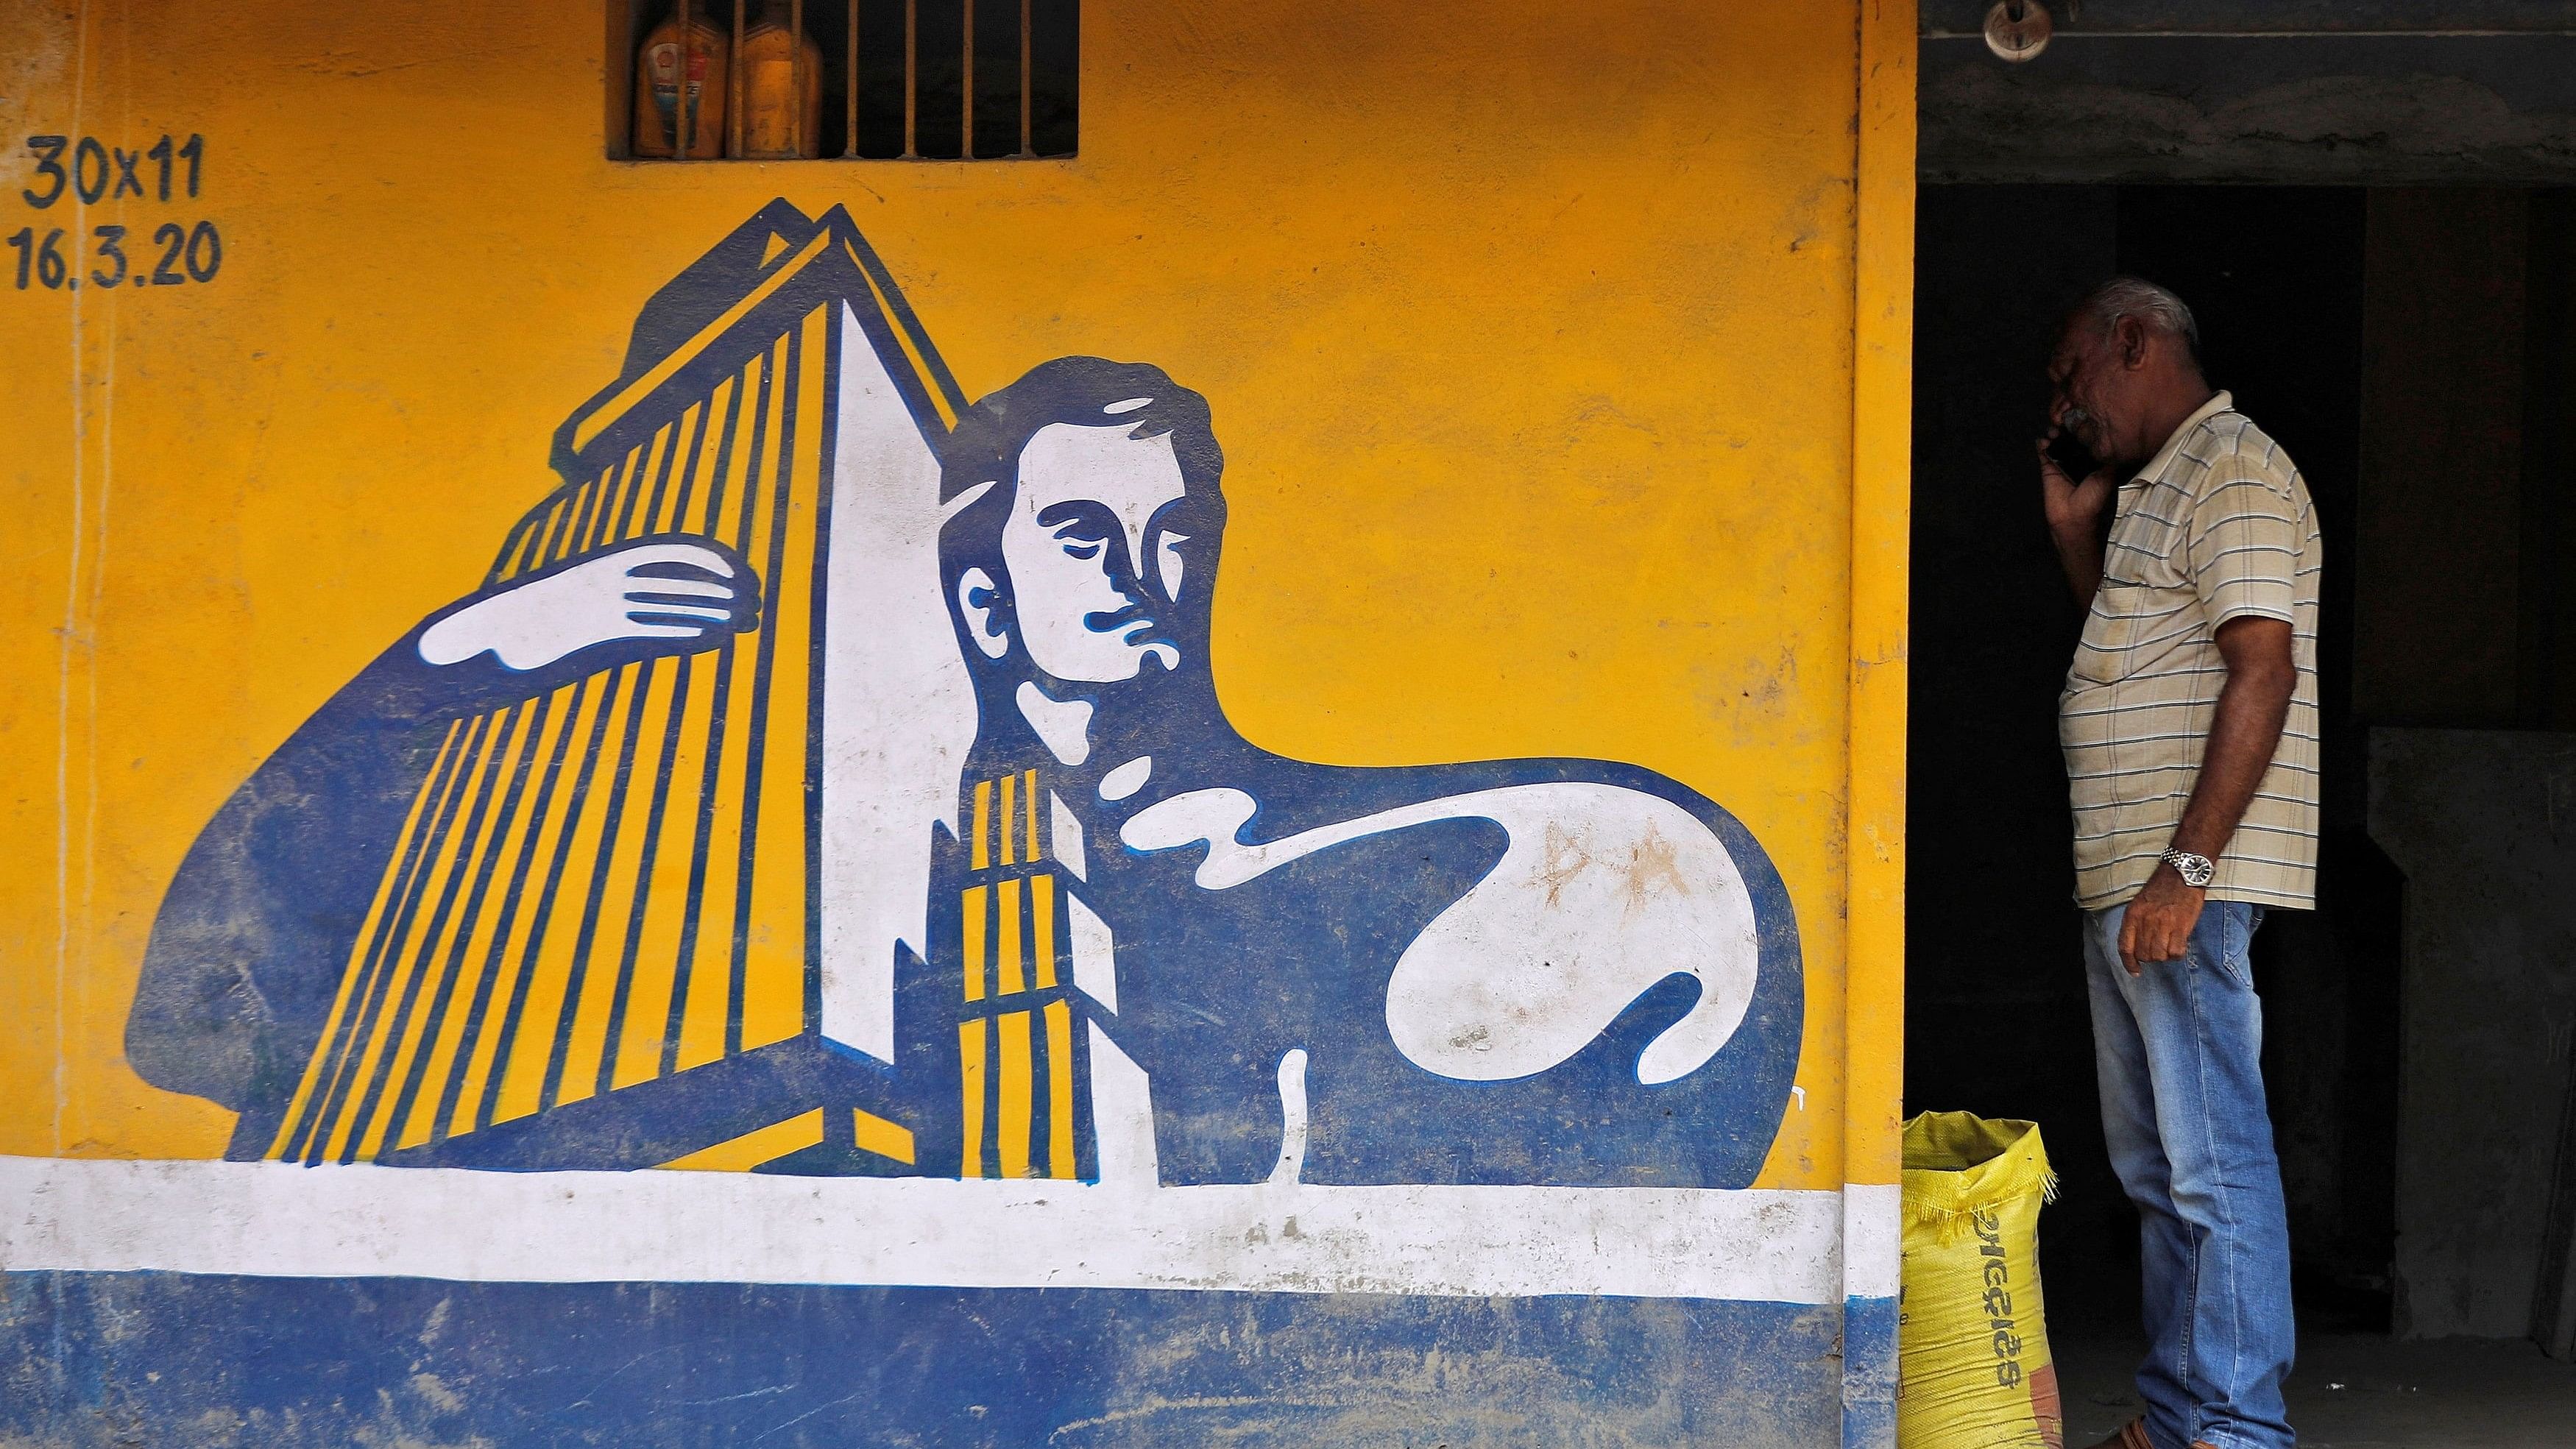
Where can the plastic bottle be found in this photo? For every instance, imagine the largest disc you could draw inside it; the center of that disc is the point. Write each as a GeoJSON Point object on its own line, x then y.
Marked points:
{"type": "Point", "coordinates": [782, 96]}
{"type": "Point", "coordinates": [666, 106]}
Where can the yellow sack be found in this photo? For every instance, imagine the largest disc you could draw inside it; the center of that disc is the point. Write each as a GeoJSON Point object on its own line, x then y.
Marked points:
{"type": "Point", "coordinates": [1974, 1370]}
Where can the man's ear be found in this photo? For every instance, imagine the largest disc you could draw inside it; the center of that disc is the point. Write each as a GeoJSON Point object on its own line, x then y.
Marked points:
{"type": "Point", "coordinates": [2133, 338]}
{"type": "Point", "coordinates": [979, 602]}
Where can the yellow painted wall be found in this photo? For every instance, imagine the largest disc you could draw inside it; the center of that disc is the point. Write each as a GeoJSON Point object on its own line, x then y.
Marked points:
{"type": "Point", "coordinates": [1530, 329]}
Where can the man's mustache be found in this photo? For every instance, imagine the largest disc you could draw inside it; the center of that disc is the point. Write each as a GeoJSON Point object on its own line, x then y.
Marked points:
{"type": "Point", "coordinates": [1111, 621]}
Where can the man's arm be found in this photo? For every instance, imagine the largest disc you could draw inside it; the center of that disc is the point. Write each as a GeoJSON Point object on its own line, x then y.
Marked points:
{"type": "Point", "coordinates": [252, 935]}
{"type": "Point", "coordinates": [2074, 513]}
{"type": "Point", "coordinates": [2252, 706]}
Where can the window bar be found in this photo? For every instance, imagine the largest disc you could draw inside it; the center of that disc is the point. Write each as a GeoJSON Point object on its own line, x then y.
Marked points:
{"type": "Point", "coordinates": [966, 112]}
{"type": "Point", "coordinates": [684, 111]}
{"type": "Point", "coordinates": [850, 89]}
{"type": "Point", "coordinates": [911, 74]}
{"type": "Point", "coordinates": [1028, 143]}
{"type": "Point", "coordinates": [796, 77]}
{"type": "Point", "coordinates": [734, 87]}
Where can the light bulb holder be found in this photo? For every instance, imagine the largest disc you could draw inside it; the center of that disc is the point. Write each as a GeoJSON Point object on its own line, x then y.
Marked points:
{"type": "Point", "coordinates": [2018, 30]}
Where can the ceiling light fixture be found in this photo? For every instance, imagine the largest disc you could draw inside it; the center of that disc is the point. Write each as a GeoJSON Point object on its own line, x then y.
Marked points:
{"type": "Point", "coordinates": [2018, 30]}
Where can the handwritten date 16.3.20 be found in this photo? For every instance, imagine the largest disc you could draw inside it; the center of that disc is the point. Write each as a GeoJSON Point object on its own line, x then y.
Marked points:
{"type": "Point", "coordinates": [186, 254]}
{"type": "Point", "coordinates": [90, 172]}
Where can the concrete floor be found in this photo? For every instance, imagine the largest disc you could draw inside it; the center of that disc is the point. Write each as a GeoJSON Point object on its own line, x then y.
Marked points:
{"type": "Point", "coordinates": [2356, 1391]}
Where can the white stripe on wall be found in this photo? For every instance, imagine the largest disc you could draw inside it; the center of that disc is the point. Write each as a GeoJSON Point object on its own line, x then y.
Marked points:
{"type": "Point", "coordinates": [279, 1219]}
{"type": "Point", "coordinates": [1873, 1239]}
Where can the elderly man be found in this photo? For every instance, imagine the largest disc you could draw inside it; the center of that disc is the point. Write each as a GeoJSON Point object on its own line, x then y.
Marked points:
{"type": "Point", "coordinates": [2189, 725]}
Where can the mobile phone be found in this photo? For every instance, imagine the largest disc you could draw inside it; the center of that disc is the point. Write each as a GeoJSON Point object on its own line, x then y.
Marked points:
{"type": "Point", "coordinates": [2070, 454]}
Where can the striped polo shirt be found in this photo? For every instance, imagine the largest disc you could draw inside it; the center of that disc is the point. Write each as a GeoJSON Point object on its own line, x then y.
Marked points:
{"type": "Point", "coordinates": [2217, 527]}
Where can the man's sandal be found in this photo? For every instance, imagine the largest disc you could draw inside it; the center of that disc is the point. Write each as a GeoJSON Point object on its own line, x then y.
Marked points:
{"type": "Point", "coordinates": [2133, 1435]}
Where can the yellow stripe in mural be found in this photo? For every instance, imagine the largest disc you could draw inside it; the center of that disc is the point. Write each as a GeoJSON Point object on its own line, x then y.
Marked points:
{"type": "Point", "coordinates": [773, 992]}
{"type": "Point", "coordinates": [518, 550]}
{"type": "Point", "coordinates": [1010, 976]}
{"type": "Point", "coordinates": [508, 847]}
{"type": "Point", "coordinates": [619, 507]}
{"type": "Point", "coordinates": [971, 1038]}
{"type": "Point", "coordinates": [669, 367]}
{"type": "Point", "coordinates": [372, 1003]}
{"type": "Point", "coordinates": [574, 707]}
{"type": "Point", "coordinates": [903, 339]}
{"type": "Point", "coordinates": [451, 971]}
{"type": "Point", "coordinates": [620, 883]}
{"type": "Point", "coordinates": [972, 909]}
{"type": "Point", "coordinates": [649, 514]}
{"type": "Point", "coordinates": [705, 1017]}
{"type": "Point", "coordinates": [1029, 808]}
{"type": "Point", "coordinates": [1059, 1049]}
{"type": "Point", "coordinates": [1010, 792]}
{"type": "Point", "coordinates": [636, 516]}
{"type": "Point", "coordinates": [981, 852]}
{"type": "Point", "coordinates": [374, 922]}
{"type": "Point", "coordinates": [689, 481]}
{"type": "Point", "coordinates": [707, 966]}
{"type": "Point", "coordinates": [706, 1020]}
{"type": "Point", "coordinates": [1018, 1089]}
{"type": "Point", "coordinates": [414, 946]}
{"type": "Point", "coordinates": [617, 482]}
{"type": "Point", "coordinates": [532, 1046]}
{"type": "Point", "coordinates": [884, 1138]}
{"type": "Point", "coordinates": [646, 1020]}
{"type": "Point", "coordinates": [753, 1148]}
{"type": "Point", "coordinates": [701, 433]}
{"type": "Point", "coordinates": [1042, 929]}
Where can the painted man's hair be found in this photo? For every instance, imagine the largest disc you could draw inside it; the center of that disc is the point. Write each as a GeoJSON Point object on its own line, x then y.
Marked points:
{"type": "Point", "coordinates": [1088, 392]}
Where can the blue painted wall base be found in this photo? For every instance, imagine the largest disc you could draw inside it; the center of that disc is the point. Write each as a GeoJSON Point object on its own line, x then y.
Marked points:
{"type": "Point", "coordinates": [178, 1360]}
{"type": "Point", "coordinates": [1870, 1380]}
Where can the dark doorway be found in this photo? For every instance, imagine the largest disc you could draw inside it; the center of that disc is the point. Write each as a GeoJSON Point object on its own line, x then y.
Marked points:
{"type": "Point", "coordinates": [1995, 1012]}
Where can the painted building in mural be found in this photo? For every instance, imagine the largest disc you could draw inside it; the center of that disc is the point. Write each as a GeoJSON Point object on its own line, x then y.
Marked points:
{"type": "Point", "coordinates": [664, 773]}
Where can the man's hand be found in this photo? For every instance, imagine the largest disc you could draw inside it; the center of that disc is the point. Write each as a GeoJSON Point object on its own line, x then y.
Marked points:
{"type": "Point", "coordinates": [2160, 920]}
{"type": "Point", "coordinates": [2069, 502]}
{"type": "Point", "coordinates": [2262, 673]}
{"type": "Point", "coordinates": [660, 596]}
{"type": "Point", "coordinates": [2074, 513]}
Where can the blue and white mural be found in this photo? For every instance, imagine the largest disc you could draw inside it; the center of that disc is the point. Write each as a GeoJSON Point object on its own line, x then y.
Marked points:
{"type": "Point", "coordinates": [826, 794]}
{"type": "Point", "coordinates": [829, 779]}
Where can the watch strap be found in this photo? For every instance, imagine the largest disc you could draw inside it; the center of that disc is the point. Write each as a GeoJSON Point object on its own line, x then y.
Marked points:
{"type": "Point", "coordinates": [2197, 871]}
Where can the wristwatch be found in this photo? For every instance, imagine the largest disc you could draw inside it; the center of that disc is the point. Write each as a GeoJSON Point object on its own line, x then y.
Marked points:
{"type": "Point", "coordinates": [2197, 871]}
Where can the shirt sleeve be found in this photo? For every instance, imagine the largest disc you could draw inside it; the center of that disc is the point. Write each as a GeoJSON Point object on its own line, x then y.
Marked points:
{"type": "Point", "coordinates": [2245, 546]}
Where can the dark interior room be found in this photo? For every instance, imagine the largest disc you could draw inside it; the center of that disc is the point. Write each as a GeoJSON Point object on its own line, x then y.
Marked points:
{"type": "Point", "coordinates": [2411, 349]}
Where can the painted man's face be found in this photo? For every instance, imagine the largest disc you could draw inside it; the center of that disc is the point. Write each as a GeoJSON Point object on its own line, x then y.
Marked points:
{"type": "Point", "coordinates": [1096, 567]}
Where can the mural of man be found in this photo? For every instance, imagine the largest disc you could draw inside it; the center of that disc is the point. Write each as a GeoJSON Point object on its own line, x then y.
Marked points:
{"type": "Point", "coordinates": [1553, 971]}
{"type": "Point", "coordinates": [1150, 951]}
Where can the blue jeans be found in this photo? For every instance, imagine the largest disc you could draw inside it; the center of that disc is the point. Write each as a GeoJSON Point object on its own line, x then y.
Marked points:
{"type": "Point", "coordinates": [2179, 1050]}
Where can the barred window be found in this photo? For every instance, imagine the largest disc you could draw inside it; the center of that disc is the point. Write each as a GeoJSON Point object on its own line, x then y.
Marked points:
{"type": "Point", "coordinates": [931, 80]}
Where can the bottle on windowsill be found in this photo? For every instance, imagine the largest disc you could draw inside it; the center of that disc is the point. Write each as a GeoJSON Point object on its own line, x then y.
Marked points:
{"type": "Point", "coordinates": [782, 89]}
{"type": "Point", "coordinates": [671, 108]}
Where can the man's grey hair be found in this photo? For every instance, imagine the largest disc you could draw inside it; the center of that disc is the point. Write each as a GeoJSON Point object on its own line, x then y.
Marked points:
{"type": "Point", "coordinates": [2153, 306]}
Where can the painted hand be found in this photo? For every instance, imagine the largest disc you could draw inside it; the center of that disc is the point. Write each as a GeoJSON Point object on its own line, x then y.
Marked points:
{"type": "Point", "coordinates": [666, 596]}
{"type": "Point", "coordinates": [2159, 922]}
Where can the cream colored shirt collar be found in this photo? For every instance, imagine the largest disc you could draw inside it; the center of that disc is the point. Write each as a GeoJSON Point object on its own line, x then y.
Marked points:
{"type": "Point", "coordinates": [2219, 402]}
